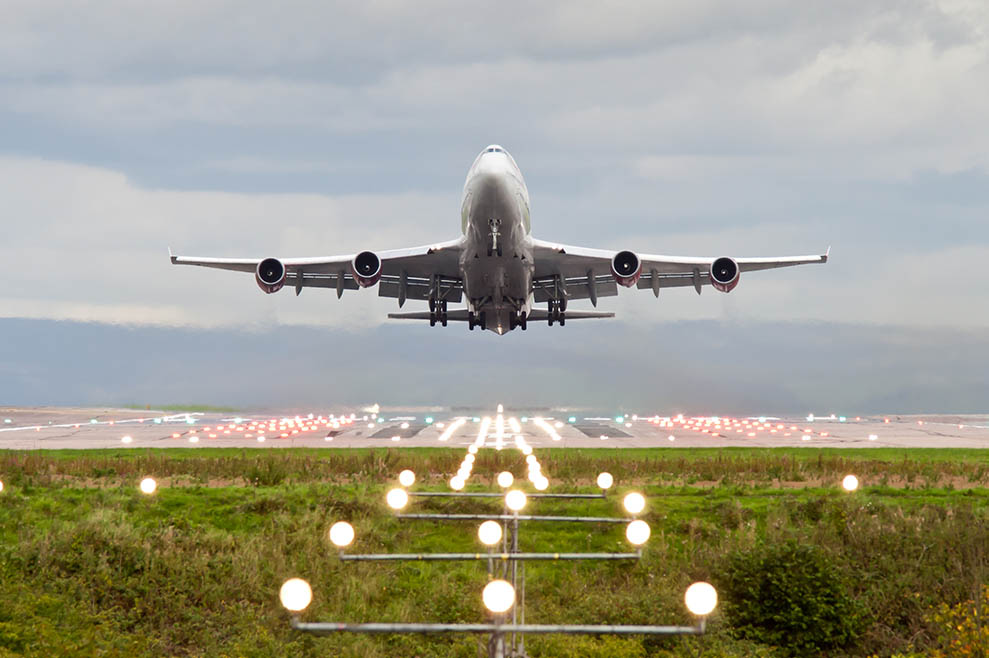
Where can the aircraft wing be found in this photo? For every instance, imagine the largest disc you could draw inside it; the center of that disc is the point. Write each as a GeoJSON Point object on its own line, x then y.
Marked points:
{"type": "Point", "coordinates": [413, 269]}
{"type": "Point", "coordinates": [587, 272]}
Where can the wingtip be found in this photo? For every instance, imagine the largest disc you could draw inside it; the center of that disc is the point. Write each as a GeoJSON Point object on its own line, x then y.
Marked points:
{"type": "Point", "coordinates": [827, 254]}
{"type": "Point", "coordinates": [172, 257]}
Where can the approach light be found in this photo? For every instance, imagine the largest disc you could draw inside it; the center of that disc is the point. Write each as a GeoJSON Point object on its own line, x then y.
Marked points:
{"type": "Point", "coordinates": [127, 439]}
{"type": "Point", "coordinates": [295, 594]}
{"type": "Point", "coordinates": [505, 479]}
{"type": "Point", "coordinates": [1, 485]}
{"type": "Point", "coordinates": [457, 483]}
{"type": "Point", "coordinates": [406, 478]}
{"type": "Point", "coordinates": [148, 486]}
{"type": "Point", "coordinates": [541, 483]}
{"type": "Point", "coordinates": [701, 599]}
{"type": "Point", "coordinates": [850, 483]}
{"type": "Point", "coordinates": [397, 499]}
{"type": "Point", "coordinates": [341, 534]}
{"type": "Point", "coordinates": [605, 480]}
{"type": "Point", "coordinates": [638, 532]}
{"type": "Point", "coordinates": [498, 596]}
{"type": "Point", "coordinates": [634, 503]}
{"type": "Point", "coordinates": [515, 500]}
{"type": "Point", "coordinates": [472, 449]}
{"type": "Point", "coordinates": [489, 533]}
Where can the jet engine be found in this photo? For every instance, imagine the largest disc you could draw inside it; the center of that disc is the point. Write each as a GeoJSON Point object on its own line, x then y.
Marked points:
{"type": "Point", "coordinates": [626, 268]}
{"type": "Point", "coordinates": [270, 275]}
{"type": "Point", "coordinates": [724, 274]}
{"type": "Point", "coordinates": [366, 267]}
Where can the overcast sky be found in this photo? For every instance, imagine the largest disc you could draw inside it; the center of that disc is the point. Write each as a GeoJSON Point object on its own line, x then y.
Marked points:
{"type": "Point", "coordinates": [314, 128]}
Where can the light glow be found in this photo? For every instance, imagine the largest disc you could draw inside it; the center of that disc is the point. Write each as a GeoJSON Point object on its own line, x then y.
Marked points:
{"type": "Point", "coordinates": [489, 533]}
{"type": "Point", "coordinates": [498, 596]}
{"type": "Point", "coordinates": [148, 486]}
{"type": "Point", "coordinates": [515, 500]}
{"type": "Point", "coordinates": [295, 595]}
{"type": "Point", "coordinates": [634, 503]}
{"type": "Point", "coordinates": [637, 532]}
{"type": "Point", "coordinates": [505, 479]}
{"type": "Point", "coordinates": [341, 534]}
{"type": "Point", "coordinates": [701, 599]}
{"type": "Point", "coordinates": [406, 478]}
{"type": "Point", "coordinates": [397, 499]}
{"type": "Point", "coordinates": [605, 480]}
{"type": "Point", "coordinates": [850, 483]}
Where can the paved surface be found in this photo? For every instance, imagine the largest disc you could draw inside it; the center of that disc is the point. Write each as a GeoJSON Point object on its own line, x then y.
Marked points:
{"type": "Point", "coordinates": [53, 428]}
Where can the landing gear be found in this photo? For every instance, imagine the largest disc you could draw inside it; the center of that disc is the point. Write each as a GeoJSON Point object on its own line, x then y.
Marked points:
{"type": "Point", "coordinates": [437, 312]}
{"type": "Point", "coordinates": [518, 320]}
{"type": "Point", "coordinates": [557, 312]}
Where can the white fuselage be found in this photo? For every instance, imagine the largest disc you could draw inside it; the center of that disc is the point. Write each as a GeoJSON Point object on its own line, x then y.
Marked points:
{"type": "Point", "coordinates": [497, 263]}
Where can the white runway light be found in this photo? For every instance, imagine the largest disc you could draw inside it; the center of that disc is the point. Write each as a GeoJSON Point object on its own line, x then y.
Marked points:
{"type": "Point", "coordinates": [605, 480]}
{"type": "Point", "coordinates": [341, 534]}
{"type": "Point", "coordinates": [515, 500]}
{"type": "Point", "coordinates": [489, 533]}
{"type": "Point", "coordinates": [457, 483]}
{"type": "Point", "coordinates": [295, 595]}
{"type": "Point", "coordinates": [637, 532]}
{"type": "Point", "coordinates": [406, 478]}
{"type": "Point", "coordinates": [505, 479]}
{"type": "Point", "coordinates": [397, 499]}
{"type": "Point", "coordinates": [127, 439]}
{"type": "Point", "coordinates": [634, 503]}
{"type": "Point", "coordinates": [850, 483]}
{"type": "Point", "coordinates": [701, 599]}
{"type": "Point", "coordinates": [148, 486]}
{"type": "Point", "coordinates": [498, 596]}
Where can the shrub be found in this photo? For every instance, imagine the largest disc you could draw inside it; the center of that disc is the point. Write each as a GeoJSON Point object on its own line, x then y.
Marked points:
{"type": "Point", "coordinates": [963, 628]}
{"type": "Point", "coordinates": [789, 595]}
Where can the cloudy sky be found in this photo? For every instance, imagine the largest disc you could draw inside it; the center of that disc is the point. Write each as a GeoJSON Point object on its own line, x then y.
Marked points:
{"type": "Point", "coordinates": [313, 128]}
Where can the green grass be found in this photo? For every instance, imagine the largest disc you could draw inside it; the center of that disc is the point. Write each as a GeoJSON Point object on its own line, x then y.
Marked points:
{"type": "Point", "coordinates": [88, 566]}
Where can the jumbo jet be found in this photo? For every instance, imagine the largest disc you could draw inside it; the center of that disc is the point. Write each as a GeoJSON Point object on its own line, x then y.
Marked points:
{"type": "Point", "coordinates": [496, 267]}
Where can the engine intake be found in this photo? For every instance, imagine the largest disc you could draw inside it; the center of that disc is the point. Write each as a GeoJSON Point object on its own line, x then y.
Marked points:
{"type": "Point", "coordinates": [366, 267]}
{"type": "Point", "coordinates": [270, 275]}
{"type": "Point", "coordinates": [626, 268]}
{"type": "Point", "coordinates": [724, 274]}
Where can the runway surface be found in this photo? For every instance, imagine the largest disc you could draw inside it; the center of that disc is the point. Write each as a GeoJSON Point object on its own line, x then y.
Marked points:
{"type": "Point", "coordinates": [77, 428]}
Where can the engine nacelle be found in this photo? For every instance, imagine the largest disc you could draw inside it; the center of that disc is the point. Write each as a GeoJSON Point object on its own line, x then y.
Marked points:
{"type": "Point", "coordinates": [270, 275]}
{"type": "Point", "coordinates": [724, 274]}
{"type": "Point", "coordinates": [366, 267]}
{"type": "Point", "coordinates": [626, 268]}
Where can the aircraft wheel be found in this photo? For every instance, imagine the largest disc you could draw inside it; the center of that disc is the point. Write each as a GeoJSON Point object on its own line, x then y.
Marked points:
{"type": "Point", "coordinates": [443, 321]}
{"type": "Point", "coordinates": [563, 319]}
{"type": "Point", "coordinates": [484, 320]}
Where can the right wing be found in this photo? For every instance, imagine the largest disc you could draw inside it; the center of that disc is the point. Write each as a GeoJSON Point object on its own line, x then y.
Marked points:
{"type": "Point", "coordinates": [414, 270]}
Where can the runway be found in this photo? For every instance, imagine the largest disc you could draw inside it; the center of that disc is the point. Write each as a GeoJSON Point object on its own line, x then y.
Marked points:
{"type": "Point", "coordinates": [49, 428]}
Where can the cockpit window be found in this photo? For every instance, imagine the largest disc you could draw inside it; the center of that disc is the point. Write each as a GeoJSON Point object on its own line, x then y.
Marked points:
{"type": "Point", "coordinates": [495, 149]}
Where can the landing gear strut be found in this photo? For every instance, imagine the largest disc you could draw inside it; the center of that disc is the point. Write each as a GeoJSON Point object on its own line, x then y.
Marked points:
{"type": "Point", "coordinates": [557, 312]}
{"type": "Point", "coordinates": [477, 320]}
{"type": "Point", "coordinates": [437, 312]}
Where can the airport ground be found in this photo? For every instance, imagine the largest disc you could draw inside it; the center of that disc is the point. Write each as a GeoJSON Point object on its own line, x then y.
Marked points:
{"type": "Point", "coordinates": [90, 566]}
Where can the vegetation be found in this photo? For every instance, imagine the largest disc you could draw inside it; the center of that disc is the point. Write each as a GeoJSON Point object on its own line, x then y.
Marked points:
{"type": "Point", "coordinates": [89, 566]}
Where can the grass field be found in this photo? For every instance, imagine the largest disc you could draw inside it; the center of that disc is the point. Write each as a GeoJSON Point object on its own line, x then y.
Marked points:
{"type": "Point", "coordinates": [89, 566]}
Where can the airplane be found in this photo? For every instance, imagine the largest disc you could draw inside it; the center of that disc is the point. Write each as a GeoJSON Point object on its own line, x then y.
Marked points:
{"type": "Point", "coordinates": [496, 265]}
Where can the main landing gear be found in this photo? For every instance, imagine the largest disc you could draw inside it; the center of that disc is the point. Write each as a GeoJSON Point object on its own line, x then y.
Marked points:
{"type": "Point", "coordinates": [477, 320]}
{"type": "Point", "coordinates": [518, 320]}
{"type": "Point", "coordinates": [437, 312]}
{"type": "Point", "coordinates": [557, 312]}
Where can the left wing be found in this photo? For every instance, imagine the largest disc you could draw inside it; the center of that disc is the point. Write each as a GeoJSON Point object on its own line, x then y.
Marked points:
{"type": "Point", "coordinates": [405, 273]}
{"type": "Point", "coordinates": [586, 273]}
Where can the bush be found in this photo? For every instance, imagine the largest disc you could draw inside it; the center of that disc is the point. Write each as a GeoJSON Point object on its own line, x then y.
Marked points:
{"type": "Point", "coordinates": [789, 595]}
{"type": "Point", "coordinates": [964, 628]}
